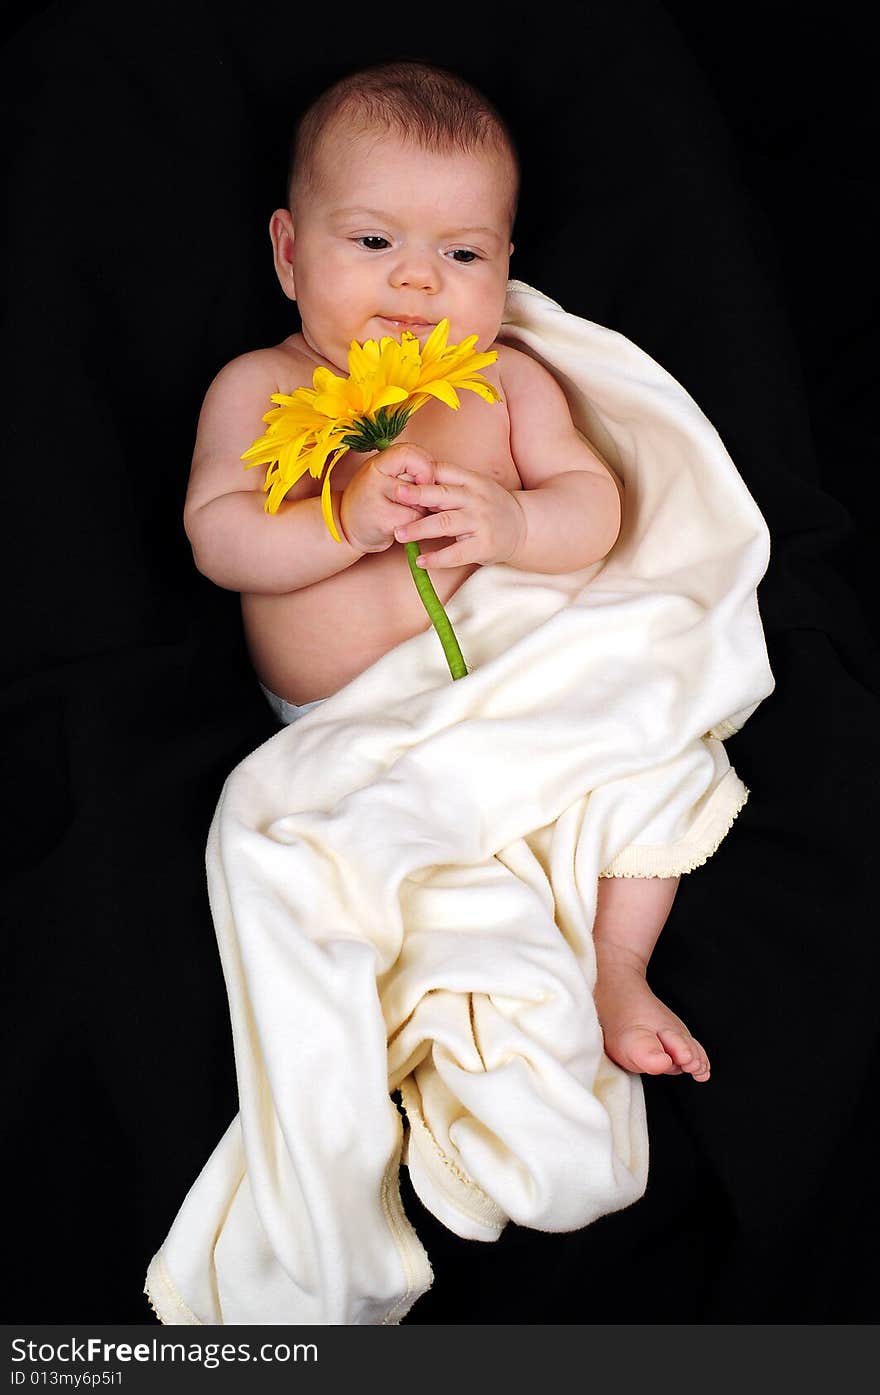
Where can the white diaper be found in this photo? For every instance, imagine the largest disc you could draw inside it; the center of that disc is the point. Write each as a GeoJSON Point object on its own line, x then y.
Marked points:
{"type": "Point", "coordinates": [287, 712]}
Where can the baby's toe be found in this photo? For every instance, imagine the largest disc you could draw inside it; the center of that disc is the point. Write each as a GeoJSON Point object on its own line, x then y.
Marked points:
{"type": "Point", "coordinates": [704, 1069]}
{"type": "Point", "coordinates": [681, 1047]}
{"type": "Point", "coordinates": [685, 1052]}
{"type": "Point", "coordinates": [645, 1052]}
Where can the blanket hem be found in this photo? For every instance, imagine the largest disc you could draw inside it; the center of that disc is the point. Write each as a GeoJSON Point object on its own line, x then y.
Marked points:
{"type": "Point", "coordinates": [695, 848]}
{"type": "Point", "coordinates": [442, 1186]}
{"type": "Point", "coordinates": [413, 1255]}
{"type": "Point", "coordinates": [159, 1280]}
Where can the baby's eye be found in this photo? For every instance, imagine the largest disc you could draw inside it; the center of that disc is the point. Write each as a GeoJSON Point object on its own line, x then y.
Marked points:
{"type": "Point", "coordinates": [464, 255]}
{"type": "Point", "coordinates": [373, 242]}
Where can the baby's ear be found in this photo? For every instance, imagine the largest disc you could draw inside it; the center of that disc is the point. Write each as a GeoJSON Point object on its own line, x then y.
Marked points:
{"type": "Point", "coordinates": [282, 235]}
{"type": "Point", "coordinates": [510, 250]}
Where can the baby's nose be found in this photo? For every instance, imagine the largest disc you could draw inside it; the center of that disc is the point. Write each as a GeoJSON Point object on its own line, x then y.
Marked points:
{"type": "Point", "coordinates": [417, 271]}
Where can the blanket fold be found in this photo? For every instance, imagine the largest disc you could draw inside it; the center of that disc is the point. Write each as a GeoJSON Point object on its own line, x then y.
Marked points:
{"type": "Point", "coordinates": [403, 884]}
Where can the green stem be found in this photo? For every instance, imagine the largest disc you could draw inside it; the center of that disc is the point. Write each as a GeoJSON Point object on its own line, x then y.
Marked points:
{"type": "Point", "coordinates": [439, 618]}
{"type": "Point", "coordinates": [386, 428]}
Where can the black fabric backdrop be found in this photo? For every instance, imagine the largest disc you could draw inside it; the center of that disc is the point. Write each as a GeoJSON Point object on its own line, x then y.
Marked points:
{"type": "Point", "coordinates": [689, 181]}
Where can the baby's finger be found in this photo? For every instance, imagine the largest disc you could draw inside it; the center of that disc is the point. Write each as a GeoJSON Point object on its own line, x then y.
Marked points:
{"type": "Point", "coordinates": [433, 496]}
{"type": "Point", "coordinates": [447, 472]}
{"type": "Point", "coordinates": [459, 554]}
{"type": "Point", "coordinates": [402, 516]}
{"type": "Point", "coordinates": [448, 523]}
{"type": "Point", "coordinates": [405, 459]}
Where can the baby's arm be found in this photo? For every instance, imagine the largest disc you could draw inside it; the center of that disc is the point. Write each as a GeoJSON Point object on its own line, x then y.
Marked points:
{"type": "Point", "coordinates": [568, 512]}
{"type": "Point", "coordinates": [235, 542]}
{"type": "Point", "coordinates": [570, 499]}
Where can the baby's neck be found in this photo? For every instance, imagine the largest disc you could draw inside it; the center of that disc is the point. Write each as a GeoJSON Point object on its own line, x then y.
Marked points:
{"type": "Point", "coordinates": [302, 345]}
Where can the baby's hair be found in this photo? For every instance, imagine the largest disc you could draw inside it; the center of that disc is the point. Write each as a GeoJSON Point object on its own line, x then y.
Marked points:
{"type": "Point", "coordinates": [435, 108]}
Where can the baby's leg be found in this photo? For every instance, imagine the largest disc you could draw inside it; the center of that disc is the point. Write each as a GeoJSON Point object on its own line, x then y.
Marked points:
{"type": "Point", "coordinates": [641, 1034]}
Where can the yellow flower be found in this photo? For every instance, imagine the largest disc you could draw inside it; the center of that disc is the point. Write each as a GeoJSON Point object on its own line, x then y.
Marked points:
{"type": "Point", "coordinates": [312, 428]}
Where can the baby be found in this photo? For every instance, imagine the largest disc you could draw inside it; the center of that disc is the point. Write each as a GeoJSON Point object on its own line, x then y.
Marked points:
{"type": "Point", "coordinates": [402, 196]}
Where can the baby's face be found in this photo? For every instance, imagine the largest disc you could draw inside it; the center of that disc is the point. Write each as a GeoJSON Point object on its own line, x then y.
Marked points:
{"type": "Point", "coordinates": [396, 237]}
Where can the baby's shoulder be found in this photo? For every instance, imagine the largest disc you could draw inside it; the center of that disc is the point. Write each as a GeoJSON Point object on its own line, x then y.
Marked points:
{"type": "Point", "coordinates": [295, 363]}
{"type": "Point", "coordinates": [530, 389]}
{"type": "Point", "coordinates": [276, 368]}
{"type": "Point", "coordinates": [519, 372]}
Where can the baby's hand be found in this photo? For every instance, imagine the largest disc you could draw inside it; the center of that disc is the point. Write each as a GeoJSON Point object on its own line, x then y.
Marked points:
{"type": "Point", "coordinates": [485, 519]}
{"type": "Point", "coordinates": [369, 510]}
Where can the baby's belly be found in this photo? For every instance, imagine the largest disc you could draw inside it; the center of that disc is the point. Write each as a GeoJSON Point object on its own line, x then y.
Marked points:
{"type": "Point", "coordinates": [310, 643]}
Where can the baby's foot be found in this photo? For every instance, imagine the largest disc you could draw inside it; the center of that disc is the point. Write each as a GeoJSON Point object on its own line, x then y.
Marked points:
{"type": "Point", "coordinates": [641, 1034]}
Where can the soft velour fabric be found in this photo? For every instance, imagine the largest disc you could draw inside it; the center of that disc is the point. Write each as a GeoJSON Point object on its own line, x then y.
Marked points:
{"type": "Point", "coordinates": [144, 166]}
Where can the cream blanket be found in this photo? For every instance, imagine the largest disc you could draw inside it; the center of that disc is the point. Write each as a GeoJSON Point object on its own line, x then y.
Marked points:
{"type": "Point", "coordinates": [403, 884]}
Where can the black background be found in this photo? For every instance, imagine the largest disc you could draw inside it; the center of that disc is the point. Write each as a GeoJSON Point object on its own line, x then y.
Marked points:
{"type": "Point", "coordinates": [696, 177]}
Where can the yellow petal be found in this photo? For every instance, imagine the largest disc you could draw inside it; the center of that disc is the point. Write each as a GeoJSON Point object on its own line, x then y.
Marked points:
{"type": "Point", "coordinates": [325, 381]}
{"type": "Point", "coordinates": [256, 453]}
{"type": "Point", "coordinates": [366, 357]}
{"type": "Point", "coordinates": [360, 365]}
{"type": "Point", "coordinates": [474, 363]}
{"type": "Point", "coordinates": [290, 453]}
{"type": "Point", "coordinates": [275, 496]}
{"type": "Point", "coordinates": [288, 476]}
{"type": "Point", "coordinates": [487, 391]}
{"type": "Point", "coordinates": [332, 404]}
{"type": "Point", "coordinates": [387, 397]}
{"type": "Point", "coordinates": [436, 342]}
{"type": "Point", "coordinates": [462, 350]}
{"type": "Point", "coordinates": [444, 391]}
{"type": "Point", "coordinates": [301, 411]}
{"type": "Point", "coordinates": [326, 497]}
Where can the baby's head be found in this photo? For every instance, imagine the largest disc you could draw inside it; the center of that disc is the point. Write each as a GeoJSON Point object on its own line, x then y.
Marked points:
{"type": "Point", "coordinates": [402, 193]}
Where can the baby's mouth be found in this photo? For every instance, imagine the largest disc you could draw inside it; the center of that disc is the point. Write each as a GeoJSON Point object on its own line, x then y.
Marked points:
{"type": "Point", "coordinates": [414, 326]}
